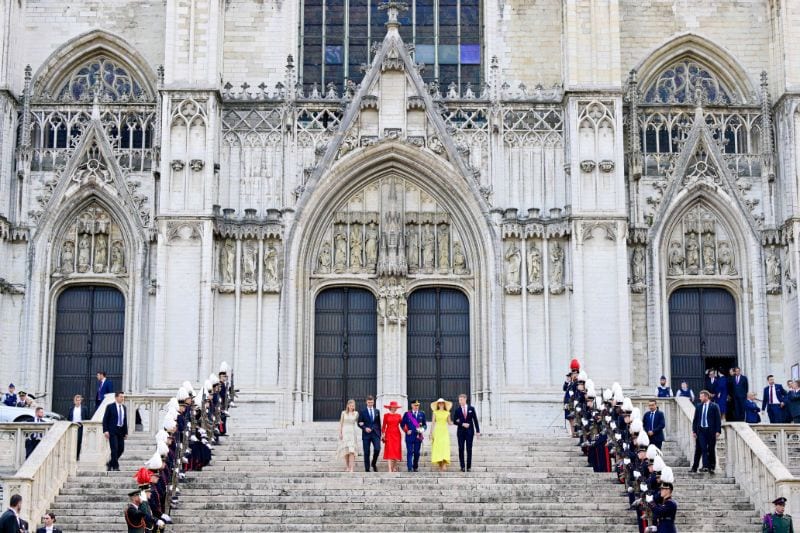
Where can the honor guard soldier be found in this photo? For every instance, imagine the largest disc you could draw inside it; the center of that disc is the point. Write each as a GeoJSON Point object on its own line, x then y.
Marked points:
{"type": "Point", "coordinates": [778, 522]}
{"type": "Point", "coordinates": [134, 514]}
{"type": "Point", "coordinates": [663, 507]}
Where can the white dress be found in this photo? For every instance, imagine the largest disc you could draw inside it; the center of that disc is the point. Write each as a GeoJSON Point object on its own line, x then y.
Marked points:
{"type": "Point", "coordinates": [350, 430]}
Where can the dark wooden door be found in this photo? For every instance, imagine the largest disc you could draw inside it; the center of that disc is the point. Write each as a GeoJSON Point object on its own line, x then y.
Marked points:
{"type": "Point", "coordinates": [345, 350]}
{"type": "Point", "coordinates": [90, 334]}
{"type": "Point", "coordinates": [438, 346]}
{"type": "Point", "coordinates": [702, 334]}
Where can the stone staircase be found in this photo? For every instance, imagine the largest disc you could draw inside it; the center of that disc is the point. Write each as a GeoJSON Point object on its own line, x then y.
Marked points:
{"type": "Point", "coordinates": [289, 480]}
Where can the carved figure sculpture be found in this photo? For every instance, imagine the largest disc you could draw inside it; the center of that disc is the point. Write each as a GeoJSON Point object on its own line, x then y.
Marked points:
{"type": "Point", "coordinates": [118, 258]}
{"type": "Point", "coordinates": [68, 257]}
{"type": "Point", "coordinates": [709, 262]}
{"type": "Point", "coordinates": [534, 270]}
{"type": "Point", "coordinates": [84, 253]}
{"type": "Point", "coordinates": [556, 269]}
{"type": "Point", "coordinates": [227, 262]}
{"type": "Point", "coordinates": [513, 263]}
{"type": "Point", "coordinates": [271, 266]}
{"type": "Point", "coordinates": [637, 267]}
{"type": "Point", "coordinates": [692, 254]}
{"type": "Point", "coordinates": [356, 261]}
{"type": "Point", "coordinates": [676, 259]}
{"type": "Point", "coordinates": [412, 253]}
{"type": "Point", "coordinates": [427, 247]}
{"type": "Point", "coordinates": [324, 259]}
{"type": "Point", "coordinates": [459, 260]}
{"type": "Point", "coordinates": [249, 263]}
{"type": "Point", "coordinates": [371, 247]}
{"type": "Point", "coordinates": [773, 269]}
{"type": "Point", "coordinates": [340, 251]}
{"type": "Point", "coordinates": [100, 253]}
{"type": "Point", "coordinates": [727, 266]}
{"type": "Point", "coordinates": [444, 248]}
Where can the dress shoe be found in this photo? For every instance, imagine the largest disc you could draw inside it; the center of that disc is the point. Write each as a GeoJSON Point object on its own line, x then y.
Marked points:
{"type": "Point", "coordinates": [693, 470]}
{"type": "Point", "coordinates": [416, 469]}
{"type": "Point", "coordinates": [711, 472]}
{"type": "Point", "coordinates": [704, 469]}
{"type": "Point", "coordinates": [469, 470]}
{"type": "Point", "coordinates": [463, 470]}
{"type": "Point", "coordinates": [374, 468]}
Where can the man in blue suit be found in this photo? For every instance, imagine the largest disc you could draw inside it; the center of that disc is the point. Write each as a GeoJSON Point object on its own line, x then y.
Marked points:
{"type": "Point", "coordinates": [654, 424]}
{"type": "Point", "coordinates": [706, 429]}
{"type": "Point", "coordinates": [466, 420]}
{"type": "Point", "coordinates": [739, 387]}
{"type": "Point", "coordinates": [369, 420]}
{"type": "Point", "coordinates": [104, 386]}
{"type": "Point", "coordinates": [773, 401]}
{"type": "Point", "coordinates": [115, 429]}
{"type": "Point", "coordinates": [414, 424]}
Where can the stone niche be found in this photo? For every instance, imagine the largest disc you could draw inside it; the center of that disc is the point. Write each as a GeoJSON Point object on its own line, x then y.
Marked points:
{"type": "Point", "coordinates": [92, 244]}
{"type": "Point", "coordinates": [699, 245]}
{"type": "Point", "coordinates": [391, 228]}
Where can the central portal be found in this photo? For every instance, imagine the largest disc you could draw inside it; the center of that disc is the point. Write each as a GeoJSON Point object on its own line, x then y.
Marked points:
{"type": "Point", "coordinates": [438, 345]}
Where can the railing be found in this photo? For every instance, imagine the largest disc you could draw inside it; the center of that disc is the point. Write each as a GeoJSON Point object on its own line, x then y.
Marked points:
{"type": "Point", "coordinates": [12, 442]}
{"type": "Point", "coordinates": [44, 472]}
{"type": "Point", "coordinates": [784, 441]}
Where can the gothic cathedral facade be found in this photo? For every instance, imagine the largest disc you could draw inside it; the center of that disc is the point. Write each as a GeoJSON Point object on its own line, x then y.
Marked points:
{"type": "Point", "coordinates": [351, 197]}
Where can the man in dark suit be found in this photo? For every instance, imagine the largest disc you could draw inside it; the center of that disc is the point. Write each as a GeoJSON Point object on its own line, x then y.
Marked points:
{"type": "Point", "coordinates": [34, 439]}
{"type": "Point", "coordinates": [369, 420]}
{"type": "Point", "coordinates": [49, 524]}
{"type": "Point", "coordinates": [706, 429]}
{"type": "Point", "coordinates": [10, 521]}
{"type": "Point", "coordinates": [414, 424]}
{"type": "Point", "coordinates": [78, 415]}
{"type": "Point", "coordinates": [739, 388]}
{"type": "Point", "coordinates": [104, 386]}
{"type": "Point", "coordinates": [654, 424]}
{"type": "Point", "coordinates": [466, 420]}
{"type": "Point", "coordinates": [773, 401]}
{"type": "Point", "coordinates": [115, 428]}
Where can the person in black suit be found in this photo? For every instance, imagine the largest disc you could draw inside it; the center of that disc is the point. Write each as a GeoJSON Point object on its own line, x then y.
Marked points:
{"type": "Point", "coordinates": [466, 420]}
{"type": "Point", "coordinates": [115, 429]}
{"type": "Point", "coordinates": [369, 420]}
{"type": "Point", "coordinates": [706, 429]}
{"type": "Point", "coordinates": [78, 415]}
{"type": "Point", "coordinates": [10, 521]}
{"type": "Point", "coordinates": [104, 386]}
{"type": "Point", "coordinates": [654, 424]}
{"type": "Point", "coordinates": [773, 401]}
{"type": "Point", "coordinates": [49, 524]}
{"type": "Point", "coordinates": [739, 389]}
{"type": "Point", "coordinates": [34, 439]}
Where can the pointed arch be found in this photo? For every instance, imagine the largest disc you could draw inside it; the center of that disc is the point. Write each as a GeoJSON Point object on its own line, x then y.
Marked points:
{"type": "Point", "coordinates": [730, 74]}
{"type": "Point", "coordinates": [55, 72]}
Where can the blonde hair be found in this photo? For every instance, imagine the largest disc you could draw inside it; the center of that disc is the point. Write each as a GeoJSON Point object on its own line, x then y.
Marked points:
{"type": "Point", "coordinates": [348, 405]}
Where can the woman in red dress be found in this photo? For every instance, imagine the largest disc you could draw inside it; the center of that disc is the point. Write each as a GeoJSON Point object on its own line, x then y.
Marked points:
{"type": "Point", "coordinates": [393, 448]}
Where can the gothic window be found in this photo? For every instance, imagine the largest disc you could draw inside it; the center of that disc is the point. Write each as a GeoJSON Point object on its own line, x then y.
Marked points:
{"type": "Point", "coordinates": [338, 36]}
{"type": "Point", "coordinates": [112, 80]}
{"type": "Point", "coordinates": [677, 85]}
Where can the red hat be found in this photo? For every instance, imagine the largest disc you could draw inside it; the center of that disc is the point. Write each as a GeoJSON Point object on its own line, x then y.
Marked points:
{"type": "Point", "coordinates": [392, 405]}
{"type": "Point", "coordinates": [574, 365]}
{"type": "Point", "coordinates": [142, 476]}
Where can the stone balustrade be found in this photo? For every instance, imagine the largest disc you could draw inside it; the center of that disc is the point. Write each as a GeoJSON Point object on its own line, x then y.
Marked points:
{"type": "Point", "coordinates": [784, 441]}
{"type": "Point", "coordinates": [12, 443]}
{"type": "Point", "coordinates": [41, 476]}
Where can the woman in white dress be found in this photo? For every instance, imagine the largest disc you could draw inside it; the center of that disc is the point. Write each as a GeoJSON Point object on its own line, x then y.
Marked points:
{"type": "Point", "coordinates": [348, 433]}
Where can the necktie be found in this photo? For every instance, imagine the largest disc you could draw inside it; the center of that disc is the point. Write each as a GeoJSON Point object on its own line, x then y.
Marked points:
{"type": "Point", "coordinates": [705, 410]}
{"type": "Point", "coordinates": [771, 396]}
{"type": "Point", "coordinates": [465, 413]}
{"type": "Point", "coordinates": [371, 416]}
{"type": "Point", "coordinates": [119, 415]}
{"type": "Point", "coordinates": [651, 421]}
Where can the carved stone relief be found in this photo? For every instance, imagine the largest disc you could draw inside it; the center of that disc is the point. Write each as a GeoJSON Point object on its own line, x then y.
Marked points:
{"type": "Point", "coordinates": [271, 272]}
{"type": "Point", "coordinates": [227, 265]}
{"type": "Point", "coordinates": [556, 268]}
{"type": "Point", "coordinates": [773, 262]}
{"type": "Point", "coordinates": [534, 269]}
{"type": "Point", "coordinates": [249, 268]}
{"type": "Point", "coordinates": [100, 246]}
{"type": "Point", "coordinates": [700, 246]}
{"type": "Point", "coordinates": [392, 302]}
{"type": "Point", "coordinates": [513, 258]}
{"type": "Point", "coordinates": [638, 270]}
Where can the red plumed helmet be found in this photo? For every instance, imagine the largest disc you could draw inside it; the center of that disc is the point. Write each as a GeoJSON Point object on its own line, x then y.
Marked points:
{"type": "Point", "coordinates": [574, 365]}
{"type": "Point", "coordinates": [142, 476]}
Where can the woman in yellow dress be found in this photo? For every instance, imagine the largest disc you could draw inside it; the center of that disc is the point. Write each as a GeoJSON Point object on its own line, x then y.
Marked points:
{"type": "Point", "coordinates": [440, 435]}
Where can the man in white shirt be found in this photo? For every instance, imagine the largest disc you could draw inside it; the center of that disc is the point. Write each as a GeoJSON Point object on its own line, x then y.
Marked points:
{"type": "Point", "coordinates": [77, 415]}
{"type": "Point", "coordinates": [773, 401]}
{"type": "Point", "coordinates": [49, 524]}
{"type": "Point", "coordinates": [115, 428]}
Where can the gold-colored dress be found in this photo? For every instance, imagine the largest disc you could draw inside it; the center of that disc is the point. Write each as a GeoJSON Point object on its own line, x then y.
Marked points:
{"type": "Point", "coordinates": [440, 447]}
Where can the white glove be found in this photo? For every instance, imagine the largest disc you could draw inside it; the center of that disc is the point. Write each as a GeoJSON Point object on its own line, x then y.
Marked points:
{"type": "Point", "coordinates": [184, 460]}
{"type": "Point", "coordinates": [613, 424]}
{"type": "Point", "coordinates": [648, 498]}
{"type": "Point", "coordinates": [626, 461]}
{"type": "Point", "coordinates": [165, 517]}
{"type": "Point", "coordinates": [637, 501]}
{"type": "Point", "coordinates": [636, 474]}
{"type": "Point", "coordinates": [617, 436]}
{"type": "Point", "coordinates": [643, 487]}
{"type": "Point", "coordinates": [571, 393]}
{"type": "Point", "coordinates": [188, 425]}
{"type": "Point", "coordinates": [160, 523]}
{"type": "Point", "coordinates": [624, 445]}
{"type": "Point", "coordinates": [608, 419]}
{"type": "Point", "coordinates": [143, 496]}
{"type": "Point", "coordinates": [630, 489]}
{"type": "Point", "coordinates": [193, 438]}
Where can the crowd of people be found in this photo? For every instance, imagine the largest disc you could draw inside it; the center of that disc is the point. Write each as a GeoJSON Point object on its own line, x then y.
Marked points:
{"type": "Point", "coordinates": [410, 427]}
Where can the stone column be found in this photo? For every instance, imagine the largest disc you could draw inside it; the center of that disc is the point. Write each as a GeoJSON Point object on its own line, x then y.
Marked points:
{"type": "Point", "coordinates": [392, 341]}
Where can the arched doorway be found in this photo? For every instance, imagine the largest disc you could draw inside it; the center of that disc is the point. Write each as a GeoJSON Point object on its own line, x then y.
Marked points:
{"type": "Point", "coordinates": [702, 333]}
{"type": "Point", "coordinates": [89, 337]}
{"type": "Point", "coordinates": [438, 345]}
{"type": "Point", "coordinates": [345, 349]}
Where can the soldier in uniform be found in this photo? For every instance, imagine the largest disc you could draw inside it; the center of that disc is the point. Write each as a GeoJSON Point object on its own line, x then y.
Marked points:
{"type": "Point", "coordinates": [778, 522]}
{"type": "Point", "coordinates": [134, 513]}
{"type": "Point", "coordinates": [663, 508]}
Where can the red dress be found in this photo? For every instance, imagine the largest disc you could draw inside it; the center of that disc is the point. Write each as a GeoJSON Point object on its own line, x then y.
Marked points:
{"type": "Point", "coordinates": [393, 447]}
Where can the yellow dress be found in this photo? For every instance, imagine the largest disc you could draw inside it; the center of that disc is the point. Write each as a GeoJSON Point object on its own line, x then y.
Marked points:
{"type": "Point", "coordinates": [440, 447]}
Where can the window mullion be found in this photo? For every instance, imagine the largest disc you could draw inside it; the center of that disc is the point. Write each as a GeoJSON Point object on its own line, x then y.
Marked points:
{"type": "Point", "coordinates": [458, 42]}
{"type": "Point", "coordinates": [346, 55]}
{"type": "Point", "coordinates": [324, 23]}
{"type": "Point", "coordinates": [436, 39]}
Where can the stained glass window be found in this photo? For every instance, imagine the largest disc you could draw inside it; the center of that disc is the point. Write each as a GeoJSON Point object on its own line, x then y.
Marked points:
{"type": "Point", "coordinates": [113, 82]}
{"type": "Point", "coordinates": [338, 35]}
{"type": "Point", "coordinates": [678, 84]}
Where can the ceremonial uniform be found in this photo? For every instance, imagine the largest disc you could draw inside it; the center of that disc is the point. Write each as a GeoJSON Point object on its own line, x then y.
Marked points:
{"type": "Point", "coordinates": [664, 511]}
{"type": "Point", "coordinates": [135, 518]}
{"type": "Point", "coordinates": [414, 424]}
{"type": "Point", "coordinates": [777, 522]}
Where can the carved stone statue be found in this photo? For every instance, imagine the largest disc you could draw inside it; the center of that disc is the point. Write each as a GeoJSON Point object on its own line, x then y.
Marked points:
{"type": "Point", "coordinates": [513, 263]}
{"type": "Point", "coordinates": [249, 261]}
{"type": "Point", "coordinates": [100, 253]}
{"type": "Point", "coordinates": [709, 261]}
{"type": "Point", "coordinates": [459, 260]}
{"type": "Point", "coordinates": [324, 259]}
{"type": "Point", "coordinates": [340, 251]}
{"type": "Point", "coordinates": [773, 271]}
{"type": "Point", "coordinates": [556, 269]}
{"type": "Point", "coordinates": [103, 222]}
{"type": "Point", "coordinates": [534, 270]}
{"type": "Point", "coordinates": [371, 247]}
{"type": "Point", "coordinates": [675, 259]}
{"type": "Point", "coordinates": [637, 269]}
{"type": "Point", "coordinates": [412, 253]}
{"type": "Point", "coordinates": [427, 247]}
{"type": "Point", "coordinates": [84, 253]}
{"type": "Point", "coordinates": [68, 257]}
{"type": "Point", "coordinates": [271, 266]}
{"type": "Point", "coordinates": [356, 261]}
{"type": "Point", "coordinates": [727, 265]}
{"type": "Point", "coordinates": [227, 264]}
{"type": "Point", "coordinates": [692, 254]}
{"type": "Point", "coordinates": [444, 248]}
{"type": "Point", "coordinates": [118, 258]}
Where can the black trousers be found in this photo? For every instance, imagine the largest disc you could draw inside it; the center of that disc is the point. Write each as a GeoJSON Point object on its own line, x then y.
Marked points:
{"type": "Point", "coordinates": [373, 439]}
{"type": "Point", "coordinates": [80, 440]}
{"type": "Point", "coordinates": [465, 441]}
{"type": "Point", "coordinates": [30, 445]}
{"type": "Point", "coordinates": [706, 448]}
{"type": "Point", "coordinates": [116, 441]}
